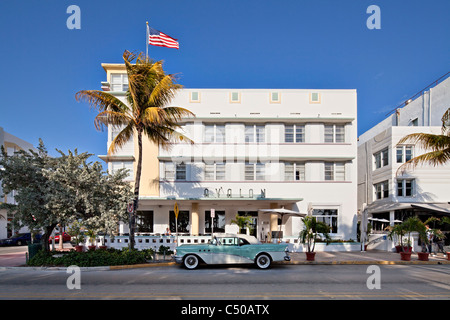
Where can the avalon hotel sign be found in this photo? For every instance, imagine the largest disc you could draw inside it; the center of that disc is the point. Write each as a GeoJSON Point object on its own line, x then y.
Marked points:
{"type": "Point", "coordinates": [253, 149]}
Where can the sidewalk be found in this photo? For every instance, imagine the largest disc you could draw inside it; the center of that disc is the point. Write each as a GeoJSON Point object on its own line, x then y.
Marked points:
{"type": "Point", "coordinates": [297, 258]}
{"type": "Point", "coordinates": [364, 257]}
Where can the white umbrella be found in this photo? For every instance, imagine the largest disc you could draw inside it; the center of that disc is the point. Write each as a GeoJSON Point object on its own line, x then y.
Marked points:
{"type": "Point", "coordinates": [283, 212]}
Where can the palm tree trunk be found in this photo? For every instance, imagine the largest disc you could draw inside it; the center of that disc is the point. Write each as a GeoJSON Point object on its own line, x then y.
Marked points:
{"type": "Point", "coordinates": [136, 190]}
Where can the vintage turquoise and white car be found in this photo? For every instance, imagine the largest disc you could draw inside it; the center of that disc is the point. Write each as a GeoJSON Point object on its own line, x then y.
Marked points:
{"type": "Point", "coordinates": [231, 249]}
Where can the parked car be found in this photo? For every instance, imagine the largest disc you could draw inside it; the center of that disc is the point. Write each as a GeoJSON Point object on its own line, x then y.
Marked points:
{"type": "Point", "coordinates": [19, 239]}
{"type": "Point", "coordinates": [66, 237]}
{"type": "Point", "coordinates": [231, 249]}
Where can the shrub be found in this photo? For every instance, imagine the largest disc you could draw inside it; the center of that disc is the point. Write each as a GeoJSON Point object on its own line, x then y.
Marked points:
{"type": "Point", "coordinates": [109, 257]}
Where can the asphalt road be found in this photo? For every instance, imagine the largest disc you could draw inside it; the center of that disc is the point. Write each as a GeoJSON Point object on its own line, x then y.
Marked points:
{"type": "Point", "coordinates": [281, 282]}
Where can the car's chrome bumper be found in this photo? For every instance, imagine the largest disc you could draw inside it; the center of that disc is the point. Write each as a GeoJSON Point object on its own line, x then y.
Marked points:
{"type": "Point", "coordinates": [287, 258]}
{"type": "Point", "coordinates": [178, 259]}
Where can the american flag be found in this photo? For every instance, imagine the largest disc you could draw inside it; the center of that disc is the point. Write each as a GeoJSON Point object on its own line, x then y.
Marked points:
{"type": "Point", "coordinates": [157, 38]}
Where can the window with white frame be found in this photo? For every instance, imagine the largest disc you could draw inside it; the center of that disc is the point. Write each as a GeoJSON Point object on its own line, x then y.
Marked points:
{"type": "Point", "coordinates": [405, 187]}
{"type": "Point", "coordinates": [294, 133]}
{"type": "Point", "coordinates": [214, 133]}
{"type": "Point", "coordinates": [235, 97]}
{"type": "Point", "coordinates": [255, 133]}
{"type": "Point", "coordinates": [194, 96]}
{"type": "Point", "coordinates": [119, 82]}
{"type": "Point", "coordinates": [327, 216]}
{"type": "Point", "coordinates": [404, 153]}
{"type": "Point", "coordinates": [334, 133]}
{"type": "Point", "coordinates": [314, 97]}
{"type": "Point", "coordinates": [381, 190]}
{"type": "Point", "coordinates": [175, 171]}
{"type": "Point", "coordinates": [334, 171]}
{"type": "Point", "coordinates": [381, 158]}
{"type": "Point", "coordinates": [275, 97]}
{"type": "Point", "coordinates": [294, 171]}
{"type": "Point", "coordinates": [127, 165]}
{"type": "Point", "coordinates": [214, 171]}
{"type": "Point", "coordinates": [255, 171]}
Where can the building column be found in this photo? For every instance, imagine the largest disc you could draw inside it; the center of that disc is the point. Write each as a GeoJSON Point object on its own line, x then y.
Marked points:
{"type": "Point", "coordinates": [273, 218]}
{"type": "Point", "coordinates": [194, 219]}
{"type": "Point", "coordinates": [391, 217]}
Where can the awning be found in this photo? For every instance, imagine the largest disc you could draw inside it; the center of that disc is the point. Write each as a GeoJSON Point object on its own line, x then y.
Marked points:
{"type": "Point", "coordinates": [375, 207]}
{"type": "Point", "coordinates": [439, 207]}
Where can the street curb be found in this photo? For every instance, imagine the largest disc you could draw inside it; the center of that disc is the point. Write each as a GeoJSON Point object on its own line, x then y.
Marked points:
{"type": "Point", "coordinates": [143, 265]}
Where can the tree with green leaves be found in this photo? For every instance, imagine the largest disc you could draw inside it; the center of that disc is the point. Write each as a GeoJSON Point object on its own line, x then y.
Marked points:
{"type": "Point", "coordinates": [145, 113]}
{"type": "Point", "coordinates": [437, 144]}
{"type": "Point", "coordinates": [61, 190]}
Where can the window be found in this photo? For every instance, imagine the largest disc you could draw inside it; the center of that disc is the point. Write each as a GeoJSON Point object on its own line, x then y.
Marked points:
{"type": "Point", "coordinates": [294, 133]}
{"type": "Point", "coordinates": [194, 96]}
{"type": "Point", "coordinates": [119, 82]}
{"type": "Point", "coordinates": [327, 216]}
{"type": "Point", "coordinates": [214, 171]}
{"type": "Point", "coordinates": [381, 190]}
{"type": "Point", "coordinates": [405, 187]}
{"type": "Point", "coordinates": [235, 97]}
{"type": "Point", "coordinates": [255, 133]}
{"type": "Point", "coordinates": [175, 171]}
{"type": "Point", "coordinates": [128, 165]}
{"type": "Point", "coordinates": [214, 133]}
{"type": "Point", "coordinates": [180, 171]}
{"type": "Point", "coordinates": [294, 171]}
{"type": "Point", "coordinates": [314, 97]}
{"type": "Point", "coordinates": [144, 221]}
{"type": "Point", "coordinates": [381, 158]}
{"type": "Point", "coordinates": [255, 171]}
{"type": "Point", "coordinates": [182, 221]}
{"type": "Point", "coordinates": [334, 133]}
{"type": "Point", "coordinates": [404, 153]}
{"type": "Point", "coordinates": [275, 97]}
{"type": "Point", "coordinates": [218, 220]}
{"type": "Point", "coordinates": [335, 171]}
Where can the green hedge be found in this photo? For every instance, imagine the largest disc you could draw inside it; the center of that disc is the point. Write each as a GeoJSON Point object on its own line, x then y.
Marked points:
{"type": "Point", "coordinates": [109, 257]}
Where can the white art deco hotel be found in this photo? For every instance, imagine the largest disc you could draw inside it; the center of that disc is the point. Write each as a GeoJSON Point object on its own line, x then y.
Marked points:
{"type": "Point", "coordinates": [253, 149]}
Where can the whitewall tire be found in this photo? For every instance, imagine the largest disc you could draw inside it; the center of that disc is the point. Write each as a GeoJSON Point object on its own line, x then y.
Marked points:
{"type": "Point", "coordinates": [190, 262]}
{"type": "Point", "coordinates": [263, 261]}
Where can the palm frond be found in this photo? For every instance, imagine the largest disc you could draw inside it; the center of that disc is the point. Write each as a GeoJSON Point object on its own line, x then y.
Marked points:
{"type": "Point", "coordinates": [434, 158]}
{"type": "Point", "coordinates": [101, 101]}
{"type": "Point", "coordinates": [122, 138]}
{"type": "Point", "coordinates": [446, 123]}
{"type": "Point", "coordinates": [427, 141]}
{"type": "Point", "coordinates": [106, 118]}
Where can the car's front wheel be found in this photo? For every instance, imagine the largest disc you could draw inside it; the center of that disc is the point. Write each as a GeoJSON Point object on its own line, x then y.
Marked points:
{"type": "Point", "coordinates": [263, 261]}
{"type": "Point", "coordinates": [191, 262]}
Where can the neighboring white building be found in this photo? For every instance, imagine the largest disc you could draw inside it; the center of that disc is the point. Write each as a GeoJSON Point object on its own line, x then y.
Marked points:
{"type": "Point", "coordinates": [11, 144]}
{"type": "Point", "coordinates": [423, 191]}
{"type": "Point", "coordinates": [254, 149]}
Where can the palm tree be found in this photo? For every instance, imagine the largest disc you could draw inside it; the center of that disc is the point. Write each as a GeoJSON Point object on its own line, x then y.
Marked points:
{"type": "Point", "coordinates": [439, 146]}
{"type": "Point", "coordinates": [150, 89]}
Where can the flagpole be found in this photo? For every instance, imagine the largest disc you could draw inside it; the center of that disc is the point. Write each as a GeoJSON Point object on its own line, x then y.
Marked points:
{"type": "Point", "coordinates": [146, 43]}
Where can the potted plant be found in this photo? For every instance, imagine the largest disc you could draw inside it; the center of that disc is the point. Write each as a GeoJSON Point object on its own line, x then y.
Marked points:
{"type": "Point", "coordinates": [75, 230]}
{"type": "Point", "coordinates": [409, 225]}
{"type": "Point", "coordinates": [243, 222]}
{"type": "Point", "coordinates": [91, 234]}
{"type": "Point", "coordinates": [397, 232]}
{"type": "Point", "coordinates": [311, 230]}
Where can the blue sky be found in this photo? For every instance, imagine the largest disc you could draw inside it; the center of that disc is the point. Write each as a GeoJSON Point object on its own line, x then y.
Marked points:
{"type": "Point", "coordinates": [223, 44]}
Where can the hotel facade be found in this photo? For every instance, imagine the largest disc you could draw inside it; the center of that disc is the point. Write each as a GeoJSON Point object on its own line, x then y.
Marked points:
{"type": "Point", "coordinates": [253, 149]}
{"type": "Point", "coordinates": [389, 195]}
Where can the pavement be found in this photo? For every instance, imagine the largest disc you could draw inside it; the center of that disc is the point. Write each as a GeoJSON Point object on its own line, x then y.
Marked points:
{"type": "Point", "coordinates": [17, 258]}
